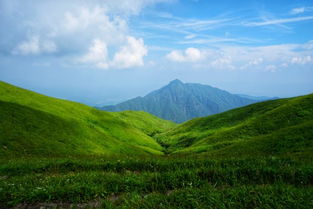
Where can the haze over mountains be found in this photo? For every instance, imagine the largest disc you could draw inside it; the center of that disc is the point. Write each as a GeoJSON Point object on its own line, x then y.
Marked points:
{"type": "Point", "coordinates": [180, 101]}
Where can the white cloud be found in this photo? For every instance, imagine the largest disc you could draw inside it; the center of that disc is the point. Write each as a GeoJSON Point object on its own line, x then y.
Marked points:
{"type": "Point", "coordinates": [308, 45]}
{"type": "Point", "coordinates": [130, 55]}
{"type": "Point", "coordinates": [302, 60]}
{"type": "Point", "coordinates": [176, 56]}
{"type": "Point", "coordinates": [193, 54]}
{"type": "Point", "coordinates": [93, 23]}
{"type": "Point", "coordinates": [97, 54]}
{"type": "Point", "coordinates": [109, 33]}
{"type": "Point", "coordinates": [190, 36]}
{"type": "Point", "coordinates": [71, 22]}
{"type": "Point", "coordinates": [132, 7]}
{"type": "Point", "coordinates": [201, 25]}
{"type": "Point", "coordinates": [187, 26]}
{"type": "Point", "coordinates": [189, 55]}
{"type": "Point", "coordinates": [252, 62]}
{"type": "Point", "coordinates": [224, 62]}
{"type": "Point", "coordinates": [94, 32]}
{"type": "Point", "coordinates": [72, 31]}
{"type": "Point", "coordinates": [30, 46]}
{"type": "Point", "coordinates": [300, 10]}
{"type": "Point", "coordinates": [256, 61]}
{"type": "Point", "coordinates": [279, 21]}
{"type": "Point", "coordinates": [268, 58]}
{"type": "Point", "coordinates": [35, 46]}
{"type": "Point", "coordinates": [271, 68]}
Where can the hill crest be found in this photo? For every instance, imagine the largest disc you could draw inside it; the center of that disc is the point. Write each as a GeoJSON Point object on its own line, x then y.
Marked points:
{"type": "Point", "coordinates": [179, 102]}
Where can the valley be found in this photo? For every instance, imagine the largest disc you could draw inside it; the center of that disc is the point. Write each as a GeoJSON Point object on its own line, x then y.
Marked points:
{"type": "Point", "coordinates": [60, 154]}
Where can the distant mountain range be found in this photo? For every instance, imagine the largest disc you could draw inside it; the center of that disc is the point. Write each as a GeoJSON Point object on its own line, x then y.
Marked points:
{"type": "Point", "coordinates": [180, 101]}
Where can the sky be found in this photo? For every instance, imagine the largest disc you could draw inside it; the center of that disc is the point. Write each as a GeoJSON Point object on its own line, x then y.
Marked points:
{"type": "Point", "coordinates": [102, 52]}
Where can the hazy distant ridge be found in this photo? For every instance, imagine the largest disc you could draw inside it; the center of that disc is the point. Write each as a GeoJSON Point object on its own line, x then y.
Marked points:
{"type": "Point", "coordinates": [180, 101]}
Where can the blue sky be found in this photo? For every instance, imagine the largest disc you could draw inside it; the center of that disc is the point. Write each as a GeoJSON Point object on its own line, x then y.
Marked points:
{"type": "Point", "coordinates": [104, 51]}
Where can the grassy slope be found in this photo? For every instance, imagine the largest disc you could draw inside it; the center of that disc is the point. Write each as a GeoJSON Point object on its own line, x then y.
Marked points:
{"type": "Point", "coordinates": [32, 123]}
{"type": "Point", "coordinates": [156, 182]}
{"type": "Point", "coordinates": [150, 127]}
{"type": "Point", "coordinates": [273, 127]}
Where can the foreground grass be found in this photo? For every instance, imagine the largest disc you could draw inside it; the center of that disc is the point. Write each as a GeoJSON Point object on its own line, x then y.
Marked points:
{"type": "Point", "coordinates": [161, 182]}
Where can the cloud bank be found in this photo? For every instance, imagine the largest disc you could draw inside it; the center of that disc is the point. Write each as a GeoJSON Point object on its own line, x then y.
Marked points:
{"type": "Point", "coordinates": [268, 58]}
{"type": "Point", "coordinates": [189, 55]}
{"type": "Point", "coordinates": [94, 33]}
{"type": "Point", "coordinates": [100, 34]}
{"type": "Point", "coordinates": [129, 55]}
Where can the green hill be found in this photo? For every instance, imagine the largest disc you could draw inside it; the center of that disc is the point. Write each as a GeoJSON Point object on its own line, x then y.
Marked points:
{"type": "Point", "coordinates": [35, 124]}
{"type": "Point", "coordinates": [276, 127]}
{"type": "Point", "coordinates": [180, 101]}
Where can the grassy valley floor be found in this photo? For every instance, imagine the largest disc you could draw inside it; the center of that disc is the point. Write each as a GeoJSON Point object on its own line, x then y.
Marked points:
{"type": "Point", "coordinates": [158, 182]}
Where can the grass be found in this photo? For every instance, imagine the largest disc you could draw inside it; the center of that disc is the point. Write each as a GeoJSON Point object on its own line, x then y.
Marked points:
{"type": "Point", "coordinates": [60, 154]}
{"type": "Point", "coordinates": [158, 182]}
{"type": "Point", "coordinates": [281, 126]}
{"type": "Point", "coordinates": [34, 124]}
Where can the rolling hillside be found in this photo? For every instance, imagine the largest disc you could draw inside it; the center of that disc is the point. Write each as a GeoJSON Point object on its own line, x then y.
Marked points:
{"type": "Point", "coordinates": [61, 154]}
{"type": "Point", "coordinates": [275, 127]}
{"type": "Point", "coordinates": [35, 124]}
{"type": "Point", "coordinates": [180, 101]}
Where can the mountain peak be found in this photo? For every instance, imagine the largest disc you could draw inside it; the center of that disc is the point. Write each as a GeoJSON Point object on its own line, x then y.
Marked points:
{"type": "Point", "coordinates": [179, 102]}
{"type": "Point", "coordinates": [176, 82]}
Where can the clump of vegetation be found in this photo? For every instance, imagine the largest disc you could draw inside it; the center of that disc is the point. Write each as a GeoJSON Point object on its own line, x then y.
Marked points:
{"type": "Point", "coordinates": [158, 182]}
